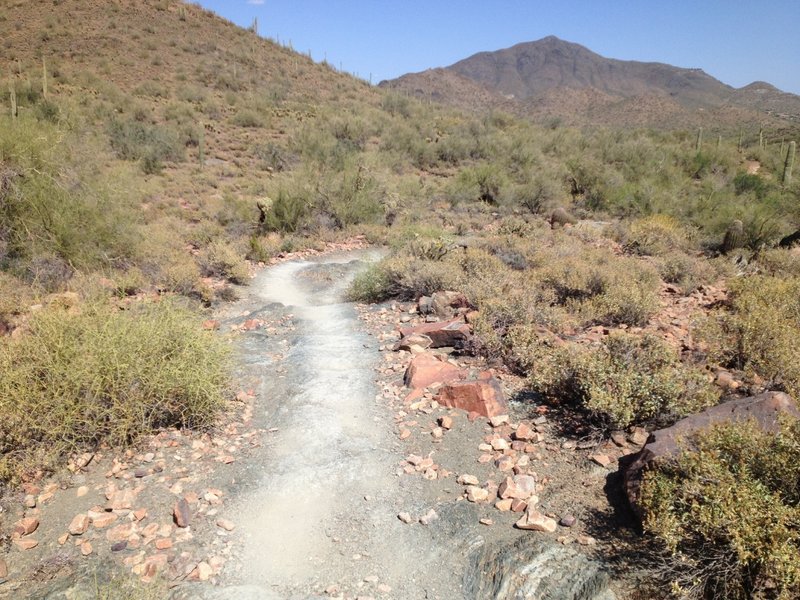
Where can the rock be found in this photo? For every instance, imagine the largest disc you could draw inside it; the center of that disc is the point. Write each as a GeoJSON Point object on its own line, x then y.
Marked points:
{"type": "Point", "coordinates": [477, 494]}
{"type": "Point", "coordinates": [211, 325]}
{"type": "Point", "coordinates": [533, 520]}
{"type": "Point", "coordinates": [586, 540]}
{"type": "Point", "coordinates": [486, 521]}
{"type": "Point", "coordinates": [202, 572]}
{"type": "Point", "coordinates": [81, 491]}
{"type": "Point", "coordinates": [417, 340]}
{"type": "Point", "coordinates": [567, 521]}
{"type": "Point", "coordinates": [519, 486]}
{"type": "Point", "coordinates": [103, 520]}
{"type": "Point", "coordinates": [638, 436]}
{"type": "Point", "coordinates": [119, 546]}
{"type": "Point", "coordinates": [525, 433]}
{"type": "Point", "coordinates": [26, 526]}
{"type": "Point", "coordinates": [122, 500]}
{"type": "Point", "coordinates": [484, 396]}
{"type": "Point", "coordinates": [504, 505]}
{"type": "Point", "coordinates": [405, 517]}
{"type": "Point", "coordinates": [618, 437]}
{"type": "Point", "coordinates": [79, 524]}
{"type": "Point", "coordinates": [30, 501]}
{"type": "Point", "coordinates": [446, 422]}
{"type": "Point", "coordinates": [426, 369]}
{"type": "Point", "coordinates": [505, 463]}
{"type": "Point", "coordinates": [26, 543]}
{"type": "Point", "coordinates": [499, 444]}
{"type": "Point", "coordinates": [666, 444]}
{"type": "Point", "coordinates": [86, 548]}
{"type": "Point", "coordinates": [429, 517]}
{"type": "Point", "coordinates": [468, 480]}
{"type": "Point", "coordinates": [518, 506]}
{"type": "Point", "coordinates": [601, 459]}
{"type": "Point", "coordinates": [119, 533]}
{"type": "Point", "coordinates": [181, 513]}
{"type": "Point", "coordinates": [498, 420]}
{"type": "Point", "coordinates": [425, 305]}
{"type": "Point", "coordinates": [163, 543]}
{"type": "Point", "coordinates": [226, 524]}
{"type": "Point", "coordinates": [445, 304]}
{"type": "Point", "coordinates": [455, 333]}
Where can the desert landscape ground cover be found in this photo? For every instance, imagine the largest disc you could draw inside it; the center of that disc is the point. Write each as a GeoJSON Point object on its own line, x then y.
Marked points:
{"type": "Point", "coordinates": [572, 282]}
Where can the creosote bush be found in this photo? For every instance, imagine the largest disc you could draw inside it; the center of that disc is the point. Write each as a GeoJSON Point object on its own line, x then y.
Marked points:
{"type": "Point", "coordinates": [628, 379]}
{"type": "Point", "coordinates": [760, 330]}
{"type": "Point", "coordinates": [104, 376]}
{"type": "Point", "coordinates": [726, 513]}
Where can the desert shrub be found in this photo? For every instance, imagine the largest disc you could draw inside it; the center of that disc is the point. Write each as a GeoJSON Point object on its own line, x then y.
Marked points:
{"type": "Point", "coordinates": [779, 262]}
{"type": "Point", "coordinates": [600, 287]}
{"type": "Point", "coordinates": [745, 182]}
{"type": "Point", "coordinates": [370, 285]}
{"type": "Point", "coordinates": [726, 512]}
{"type": "Point", "coordinates": [76, 380]}
{"type": "Point", "coordinates": [248, 118]}
{"type": "Point", "coordinates": [352, 197]}
{"type": "Point", "coordinates": [655, 235]}
{"type": "Point", "coordinates": [760, 330]}
{"type": "Point", "coordinates": [688, 272]}
{"type": "Point", "coordinates": [220, 258]}
{"type": "Point", "coordinates": [151, 144]}
{"type": "Point", "coordinates": [286, 213]}
{"type": "Point", "coordinates": [629, 379]}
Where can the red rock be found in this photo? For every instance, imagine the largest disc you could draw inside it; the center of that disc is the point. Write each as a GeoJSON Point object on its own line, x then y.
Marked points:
{"type": "Point", "coordinates": [486, 521]}
{"type": "Point", "coordinates": [504, 463]}
{"type": "Point", "coordinates": [519, 487]}
{"type": "Point", "coordinates": [26, 543]}
{"type": "Point", "coordinates": [211, 324]}
{"type": "Point", "coordinates": [483, 396]}
{"type": "Point", "coordinates": [122, 500]}
{"type": "Point", "coordinates": [181, 513]}
{"type": "Point", "coordinates": [79, 525]}
{"type": "Point", "coordinates": [665, 444]}
{"type": "Point", "coordinates": [518, 505]}
{"type": "Point", "coordinates": [535, 521]}
{"type": "Point", "coordinates": [103, 520]}
{"type": "Point", "coordinates": [445, 304]}
{"type": "Point", "coordinates": [601, 459]}
{"type": "Point", "coordinates": [525, 433]}
{"type": "Point", "coordinates": [62, 539]}
{"type": "Point", "coordinates": [226, 524]}
{"type": "Point", "coordinates": [504, 505]}
{"type": "Point", "coordinates": [26, 526]}
{"type": "Point", "coordinates": [415, 341]}
{"type": "Point", "coordinates": [468, 480]}
{"type": "Point", "coordinates": [426, 369]}
{"type": "Point", "coordinates": [86, 548]}
{"type": "Point", "coordinates": [455, 333]}
{"type": "Point", "coordinates": [251, 324]}
{"type": "Point", "coordinates": [119, 533]}
{"type": "Point", "coordinates": [140, 514]}
{"type": "Point", "coordinates": [446, 422]}
{"type": "Point", "coordinates": [477, 494]}
{"type": "Point", "coordinates": [163, 543]}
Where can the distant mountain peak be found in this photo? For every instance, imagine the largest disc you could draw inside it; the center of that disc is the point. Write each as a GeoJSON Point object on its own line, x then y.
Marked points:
{"type": "Point", "coordinates": [551, 77]}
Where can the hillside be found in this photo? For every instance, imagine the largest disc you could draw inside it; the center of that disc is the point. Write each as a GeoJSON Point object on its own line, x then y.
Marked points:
{"type": "Point", "coordinates": [552, 78]}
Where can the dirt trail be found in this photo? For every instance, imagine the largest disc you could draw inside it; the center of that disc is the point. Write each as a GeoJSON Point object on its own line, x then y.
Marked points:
{"type": "Point", "coordinates": [322, 511]}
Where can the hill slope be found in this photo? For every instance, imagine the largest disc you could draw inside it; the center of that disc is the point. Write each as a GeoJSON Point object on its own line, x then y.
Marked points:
{"type": "Point", "coordinates": [554, 78]}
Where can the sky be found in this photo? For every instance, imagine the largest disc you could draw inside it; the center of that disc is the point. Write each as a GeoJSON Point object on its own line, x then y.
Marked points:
{"type": "Point", "coordinates": [736, 41]}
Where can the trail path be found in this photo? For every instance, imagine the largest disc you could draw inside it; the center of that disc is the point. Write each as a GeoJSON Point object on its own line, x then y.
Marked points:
{"type": "Point", "coordinates": [322, 511]}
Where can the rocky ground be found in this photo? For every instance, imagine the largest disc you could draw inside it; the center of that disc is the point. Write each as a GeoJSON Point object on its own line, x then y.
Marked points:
{"type": "Point", "coordinates": [342, 472]}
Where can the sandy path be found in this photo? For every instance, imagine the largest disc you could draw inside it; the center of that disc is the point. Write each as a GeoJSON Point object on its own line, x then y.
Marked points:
{"type": "Point", "coordinates": [324, 511]}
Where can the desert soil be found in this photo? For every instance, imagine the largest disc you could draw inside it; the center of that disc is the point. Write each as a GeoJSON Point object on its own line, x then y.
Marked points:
{"type": "Point", "coordinates": [299, 491]}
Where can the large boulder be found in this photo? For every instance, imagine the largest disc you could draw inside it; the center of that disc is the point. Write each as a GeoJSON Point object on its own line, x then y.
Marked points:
{"type": "Point", "coordinates": [426, 369]}
{"type": "Point", "coordinates": [483, 396]}
{"type": "Point", "coordinates": [665, 444]}
{"type": "Point", "coordinates": [443, 304]}
{"type": "Point", "coordinates": [455, 333]}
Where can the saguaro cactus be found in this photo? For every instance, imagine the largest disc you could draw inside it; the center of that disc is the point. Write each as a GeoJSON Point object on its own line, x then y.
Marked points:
{"type": "Point", "coordinates": [201, 146]}
{"type": "Point", "coordinates": [741, 137]}
{"type": "Point", "coordinates": [13, 96]}
{"type": "Point", "coordinates": [787, 167]}
{"type": "Point", "coordinates": [699, 142]}
{"type": "Point", "coordinates": [761, 137]}
{"type": "Point", "coordinates": [44, 78]}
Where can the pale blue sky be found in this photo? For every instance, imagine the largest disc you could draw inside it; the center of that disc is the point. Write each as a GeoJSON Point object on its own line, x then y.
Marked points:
{"type": "Point", "coordinates": [736, 41]}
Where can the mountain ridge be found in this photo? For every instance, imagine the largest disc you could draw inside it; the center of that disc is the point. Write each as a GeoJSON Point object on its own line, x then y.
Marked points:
{"type": "Point", "coordinates": [522, 78]}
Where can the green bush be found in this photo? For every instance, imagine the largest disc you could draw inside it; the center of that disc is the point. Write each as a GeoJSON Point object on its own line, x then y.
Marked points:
{"type": "Point", "coordinates": [76, 380]}
{"type": "Point", "coordinates": [760, 330]}
{"type": "Point", "coordinates": [629, 379]}
{"type": "Point", "coordinates": [727, 514]}
{"type": "Point", "coordinates": [222, 259]}
{"type": "Point", "coordinates": [151, 144]}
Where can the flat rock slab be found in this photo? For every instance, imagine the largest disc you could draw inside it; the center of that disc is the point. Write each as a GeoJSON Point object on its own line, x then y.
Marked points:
{"type": "Point", "coordinates": [454, 333]}
{"type": "Point", "coordinates": [426, 369]}
{"type": "Point", "coordinates": [483, 396]}
{"type": "Point", "coordinates": [667, 443]}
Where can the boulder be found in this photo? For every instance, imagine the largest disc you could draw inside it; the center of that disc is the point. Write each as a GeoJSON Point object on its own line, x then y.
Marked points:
{"type": "Point", "coordinates": [483, 396]}
{"type": "Point", "coordinates": [668, 443]}
{"type": "Point", "coordinates": [426, 369]}
{"type": "Point", "coordinates": [455, 333]}
{"type": "Point", "coordinates": [407, 343]}
{"type": "Point", "coordinates": [446, 304]}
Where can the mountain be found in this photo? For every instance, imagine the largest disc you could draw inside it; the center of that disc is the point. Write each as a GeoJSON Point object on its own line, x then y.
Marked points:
{"type": "Point", "coordinates": [551, 78]}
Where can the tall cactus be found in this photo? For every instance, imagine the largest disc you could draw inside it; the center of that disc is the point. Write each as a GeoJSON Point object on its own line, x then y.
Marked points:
{"type": "Point", "coordinates": [13, 96]}
{"type": "Point", "coordinates": [787, 167]}
{"type": "Point", "coordinates": [44, 78]}
{"type": "Point", "coordinates": [741, 137]}
{"type": "Point", "coordinates": [699, 143]}
{"type": "Point", "coordinates": [761, 137]}
{"type": "Point", "coordinates": [201, 146]}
